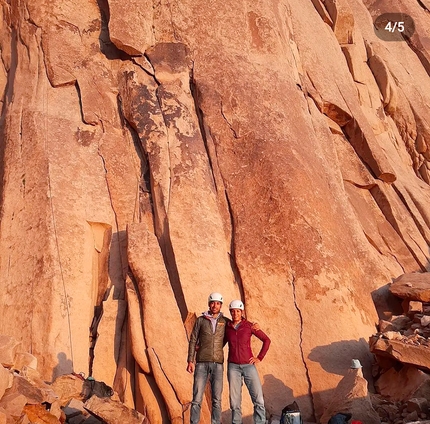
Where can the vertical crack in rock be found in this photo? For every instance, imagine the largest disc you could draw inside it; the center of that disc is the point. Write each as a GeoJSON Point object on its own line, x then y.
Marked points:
{"type": "Point", "coordinates": [387, 211]}
{"type": "Point", "coordinates": [419, 207]}
{"type": "Point", "coordinates": [164, 239]}
{"type": "Point", "coordinates": [416, 49]}
{"type": "Point", "coordinates": [323, 12]}
{"type": "Point", "coordinates": [101, 241]}
{"type": "Point", "coordinates": [423, 6]}
{"type": "Point", "coordinates": [417, 223]}
{"type": "Point", "coordinates": [107, 47]}
{"type": "Point", "coordinates": [81, 106]}
{"type": "Point", "coordinates": [135, 323]}
{"type": "Point", "coordinates": [146, 211]}
{"type": "Point", "coordinates": [138, 118]}
{"type": "Point", "coordinates": [157, 94]}
{"type": "Point", "coordinates": [363, 142]}
{"type": "Point", "coordinates": [233, 261]}
{"type": "Point", "coordinates": [168, 380]}
{"type": "Point", "coordinates": [218, 182]}
{"type": "Point", "coordinates": [310, 394]}
{"type": "Point", "coordinates": [199, 113]}
{"type": "Point", "coordinates": [98, 310]}
{"type": "Point", "coordinates": [57, 247]}
{"type": "Point", "coordinates": [108, 187]}
{"type": "Point", "coordinates": [235, 134]}
{"type": "Point", "coordinates": [412, 129]}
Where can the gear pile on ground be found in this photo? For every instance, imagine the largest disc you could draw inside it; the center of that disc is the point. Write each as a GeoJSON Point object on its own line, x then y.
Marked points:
{"type": "Point", "coordinates": [25, 398]}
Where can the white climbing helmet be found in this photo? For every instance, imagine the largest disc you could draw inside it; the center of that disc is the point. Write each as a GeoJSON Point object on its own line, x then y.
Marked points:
{"type": "Point", "coordinates": [236, 304]}
{"type": "Point", "coordinates": [215, 297]}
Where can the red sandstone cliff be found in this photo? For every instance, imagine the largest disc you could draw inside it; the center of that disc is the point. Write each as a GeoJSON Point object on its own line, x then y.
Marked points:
{"type": "Point", "coordinates": [155, 151]}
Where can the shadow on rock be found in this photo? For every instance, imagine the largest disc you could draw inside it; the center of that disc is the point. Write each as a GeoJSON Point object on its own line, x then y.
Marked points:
{"type": "Point", "coordinates": [343, 351]}
{"type": "Point", "coordinates": [64, 366]}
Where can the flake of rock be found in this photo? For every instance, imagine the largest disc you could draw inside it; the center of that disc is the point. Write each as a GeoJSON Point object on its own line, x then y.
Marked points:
{"type": "Point", "coordinates": [32, 393]}
{"type": "Point", "coordinates": [413, 286]}
{"type": "Point", "coordinates": [113, 412]}
{"type": "Point", "coordinates": [385, 326]}
{"type": "Point", "coordinates": [13, 404]}
{"type": "Point", "coordinates": [405, 353]}
{"type": "Point", "coordinates": [393, 335]}
{"type": "Point", "coordinates": [38, 414]}
{"type": "Point", "coordinates": [420, 405]}
{"type": "Point", "coordinates": [400, 322]}
{"type": "Point", "coordinates": [8, 349]}
{"type": "Point", "coordinates": [412, 306]}
{"type": "Point", "coordinates": [24, 360]}
{"type": "Point", "coordinates": [6, 378]}
{"type": "Point", "coordinates": [56, 410]}
{"type": "Point", "coordinates": [425, 320]}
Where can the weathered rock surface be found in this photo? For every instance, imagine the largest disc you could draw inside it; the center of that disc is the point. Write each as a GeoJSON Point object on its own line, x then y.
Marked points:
{"type": "Point", "coordinates": [113, 412]}
{"type": "Point", "coordinates": [415, 286]}
{"type": "Point", "coordinates": [153, 152]}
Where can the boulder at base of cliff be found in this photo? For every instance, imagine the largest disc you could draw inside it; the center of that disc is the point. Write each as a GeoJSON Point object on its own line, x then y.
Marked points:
{"type": "Point", "coordinates": [413, 286]}
{"type": "Point", "coordinates": [351, 396]}
{"type": "Point", "coordinates": [113, 412]}
{"type": "Point", "coordinates": [407, 383]}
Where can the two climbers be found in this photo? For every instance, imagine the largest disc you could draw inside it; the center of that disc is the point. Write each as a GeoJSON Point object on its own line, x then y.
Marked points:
{"type": "Point", "coordinates": [211, 331]}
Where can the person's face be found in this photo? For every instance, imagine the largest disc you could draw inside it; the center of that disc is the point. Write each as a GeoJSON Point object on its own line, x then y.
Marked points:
{"type": "Point", "coordinates": [215, 307]}
{"type": "Point", "coordinates": [236, 314]}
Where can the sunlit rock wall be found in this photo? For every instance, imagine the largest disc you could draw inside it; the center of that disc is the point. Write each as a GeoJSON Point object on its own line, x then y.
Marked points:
{"type": "Point", "coordinates": [155, 151]}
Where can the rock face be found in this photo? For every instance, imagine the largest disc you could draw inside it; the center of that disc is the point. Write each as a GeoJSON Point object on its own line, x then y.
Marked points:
{"type": "Point", "coordinates": [154, 152]}
{"type": "Point", "coordinates": [351, 396]}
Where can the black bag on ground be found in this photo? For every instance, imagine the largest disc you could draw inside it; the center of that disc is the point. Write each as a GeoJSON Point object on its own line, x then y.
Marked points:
{"type": "Point", "coordinates": [98, 388]}
{"type": "Point", "coordinates": [291, 414]}
{"type": "Point", "coordinates": [340, 418]}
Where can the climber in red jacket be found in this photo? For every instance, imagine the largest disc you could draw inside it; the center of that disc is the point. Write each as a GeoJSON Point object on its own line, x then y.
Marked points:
{"type": "Point", "coordinates": [241, 363]}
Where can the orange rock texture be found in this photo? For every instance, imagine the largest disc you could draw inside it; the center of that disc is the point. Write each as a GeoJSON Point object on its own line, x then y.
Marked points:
{"type": "Point", "coordinates": [152, 152]}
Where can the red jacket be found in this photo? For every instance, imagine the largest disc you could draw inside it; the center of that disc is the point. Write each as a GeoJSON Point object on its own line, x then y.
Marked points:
{"type": "Point", "coordinates": [239, 342]}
